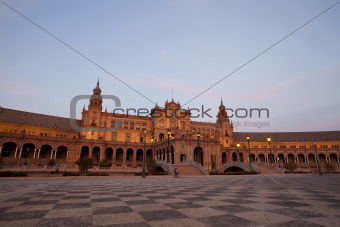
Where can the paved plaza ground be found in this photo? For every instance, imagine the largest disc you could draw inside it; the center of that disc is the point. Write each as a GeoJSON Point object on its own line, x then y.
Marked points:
{"type": "Point", "coordinates": [275, 200]}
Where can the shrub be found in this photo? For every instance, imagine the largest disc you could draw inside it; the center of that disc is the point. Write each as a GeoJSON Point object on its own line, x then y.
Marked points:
{"type": "Point", "coordinates": [329, 167]}
{"type": "Point", "coordinates": [71, 174]}
{"type": "Point", "coordinates": [96, 174]}
{"type": "Point", "coordinates": [105, 163]}
{"type": "Point", "coordinates": [84, 165]}
{"type": "Point", "coordinates": [13, 174]}
{"type": "Point", "coordinates": [290, 166]}
{"type": "Point", "coordinates": [51, 162]}
{"type": "Point", "coordinates": [152, 167]}
{"type": "Point", "coordinates": [140, 174]}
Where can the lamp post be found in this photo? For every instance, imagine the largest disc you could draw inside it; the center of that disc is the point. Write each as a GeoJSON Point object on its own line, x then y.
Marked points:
{"type": "Point", "coordinates": [238, 152]}
{"type": "Point", "coordinates": [199, 148]}
{"type": "Point", "coordinates": [248, 138]}
{"type": "Point", "coordinates": [152, 155]}
{"type": "Point", "coordinates": [167, 155]}
{"type": "Point", "coordinates": [270, 151]}
{"type": "Point", "coordinates": [143, 176]}
{"type": "Point", "coordinates": [317, 159]}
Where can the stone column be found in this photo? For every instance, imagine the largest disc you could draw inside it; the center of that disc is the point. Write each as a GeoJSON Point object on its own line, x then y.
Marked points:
{"type": "Point", "coordinates": [20, 153]}
{"type": "Point", "coordinates": [66, 155]}
{"type": "Point", "coordinates": [55, 154]}
{"type": "Point", "coordinates": [34, 153]}
{"type": "Point", "coordinates": [51, 154]}
{"type": "Point", "coordinates": [113, 158]}
{"type": "Point", "coordinates": [38, 154]}
{"type": "Point", "coordinates": [134, 157]}
{"type": "Point", "coordinates": [15, 154]}
{"type": "Point", "coordinates": [0, 149]}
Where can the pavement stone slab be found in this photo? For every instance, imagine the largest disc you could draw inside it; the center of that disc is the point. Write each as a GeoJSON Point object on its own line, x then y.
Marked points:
{"type": "Point", "coordinates": [280, 200]}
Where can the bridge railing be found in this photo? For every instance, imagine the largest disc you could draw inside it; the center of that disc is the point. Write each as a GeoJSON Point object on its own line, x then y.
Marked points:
{"type": "Point", "coordinates": [203, 170]}
{"type": "Point", "coordinates": [271, 166]}
{"type": "Point", "coordinates": [243, 165]}
{"type": "Point", "coordinates": [171, 170]}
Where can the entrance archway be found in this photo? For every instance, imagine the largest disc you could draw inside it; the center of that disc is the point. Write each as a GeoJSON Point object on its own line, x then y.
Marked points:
{"type": "Point", "coordinates": [84, 153]}
{"type": "Point", "coordinates": [198, 155]}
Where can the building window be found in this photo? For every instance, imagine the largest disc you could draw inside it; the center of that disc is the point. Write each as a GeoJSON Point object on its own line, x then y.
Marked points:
{"type": "Point", "coordinates": [132, 125]}
{"type": "Point", "coordinates": [208, 132]}
{"type": "Point", "coordinates": [85, 119]}
{"type": "Point", "coordinates": [92, 132]}
{"type": "Point", "coordinates": [141, 139]}
{"type": "Point", "coordinates": [126, 125]}
{"type": "Point", "coordinates": [114, 137]}
{"type": "Point", "coordinates": [143, 126]}
{"type": "Point", "coordinates": [162, 124]}
{"type": "Point", "coordinates": [193, 131]}
{"type": "Point", "coordinates": [33, 133]}
{"type": "Point", "coordinates": [183, 126]}
{"type": "Point", "coordinates": [137, 126]}
{"type": "Point", "coordinates": [212, 131]}
{"type": "Point", "coordinates": [113, 124]}
{"type": "Point", "coordinates": [128, 138]}
{"type": "Point", "coordinates": [203, 131]}
{"type": "Point", "coordinates": [83, 137]}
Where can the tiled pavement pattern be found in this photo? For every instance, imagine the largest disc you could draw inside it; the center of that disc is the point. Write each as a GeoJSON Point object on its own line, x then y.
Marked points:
{"type": "Point", "coordinates": [164, 201]}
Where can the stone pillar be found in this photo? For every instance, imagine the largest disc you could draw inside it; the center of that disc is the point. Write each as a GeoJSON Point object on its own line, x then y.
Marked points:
{"type": "Point", "coordinates": [66, 155]}
{"type": "Point", "coordinates": [34, 153]}
{"type": "Point", "coordinates": [134, 157]}
{"type": "Point", "coordinates": [20, 153]}
{"type": "Point", "coordinates": [51, 154]}
{"type": "Point", "coordinates": [0, 149]}
{"type": "Point", "coordinates": [55, 154]}
{"type": "Point", "coordinates": [15, 154]}
{"type": "Point", "coordinates": [113, 158]}
{"type": "Point", "coordinates": [38, 154]}
{"type": "Point", "coordinates": [124, 158]}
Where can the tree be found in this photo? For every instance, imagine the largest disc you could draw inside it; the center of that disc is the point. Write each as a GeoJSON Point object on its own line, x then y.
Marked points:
{"type": "Point", "coordinates": [105, 163]}
{"type": "Point", "coordinates": [290, 166]}
{"type": "Point", "coordinates": [51, 162]}
{"type": "Point", "coordinates": [84, 165]}
{"type": "Point", "coordinates": [330, 167]}
{"type": "Point", "coordinates": [151, 166]}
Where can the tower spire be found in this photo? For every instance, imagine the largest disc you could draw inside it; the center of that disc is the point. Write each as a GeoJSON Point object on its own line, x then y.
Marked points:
{"type": "Point", "coordinates": [98, 81]}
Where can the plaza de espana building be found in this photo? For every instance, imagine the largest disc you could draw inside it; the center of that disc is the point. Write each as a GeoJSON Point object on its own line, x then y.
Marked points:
{"type": "Point", "coordinates": [168, 135]}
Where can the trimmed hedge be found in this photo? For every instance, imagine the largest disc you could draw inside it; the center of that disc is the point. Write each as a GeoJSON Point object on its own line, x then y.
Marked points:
{"type": "Point", "coordinates": [13, 174]}
{"type": "Point", "coordinates": [96, 174]}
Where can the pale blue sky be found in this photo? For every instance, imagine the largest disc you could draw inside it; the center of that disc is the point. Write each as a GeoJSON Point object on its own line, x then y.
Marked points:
{"type": "Point", "coordinates": [187, 45]}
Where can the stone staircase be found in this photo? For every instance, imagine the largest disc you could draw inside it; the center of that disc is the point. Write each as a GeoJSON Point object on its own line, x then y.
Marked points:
{"type": "Point", "coordinates": [187, 170]}
{"type": "Point", "coordinates": [267, 170]}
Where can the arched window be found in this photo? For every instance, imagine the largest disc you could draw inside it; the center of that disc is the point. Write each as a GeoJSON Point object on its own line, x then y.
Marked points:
{"type": "Point", "coordinates": [138, 126]}
{"type": "Point", "coordinates": [126, 124]}
{"type": "Point", "coordinates": [162, 124]}
{"type": "Point", "coordinates": [29, 133]}
{"type": "Point", "coordinates": [183, 126]}
{"type": "Point", "coordinates": [212, 132]}
{"type": "Point", "coordinates": [198, 130]}
{"type": "Point", "coordinates": [193, 131]}
{"type": "Point", "coordinates": [143, 126]}
{"type": "Point", "coordinates": [57, 135]}
{"type": "Point", "coordinates": [208, 132]}
{"type": "Point", "coordinates": [11, 131]}
{"type": "Point", "coordinates": [203, 131]}
{"type": "Point", "coordinates": [113, 124]}
{"type": "Point", "coordinates": [132, 125]}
